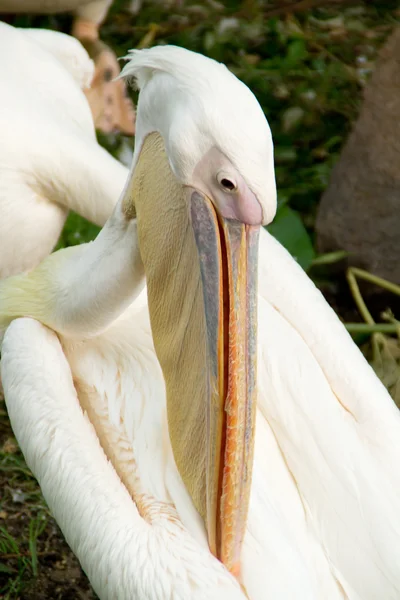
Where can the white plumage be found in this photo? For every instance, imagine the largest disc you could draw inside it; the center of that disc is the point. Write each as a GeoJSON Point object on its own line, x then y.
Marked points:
{"type": "Point", "coordinates": [325, 494]}
{"type": "Point", "coordinates": [123, 555]}
{"type": "Point", "coordinates": [50, 161]}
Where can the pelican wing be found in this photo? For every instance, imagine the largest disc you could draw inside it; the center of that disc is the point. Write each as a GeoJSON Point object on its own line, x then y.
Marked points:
{"type": "Point", "coordinates": [337, 429]}
{"type": "Point", "coordinates": [50, 161]}
{"type": "Point", "coordinates": [122, 554]}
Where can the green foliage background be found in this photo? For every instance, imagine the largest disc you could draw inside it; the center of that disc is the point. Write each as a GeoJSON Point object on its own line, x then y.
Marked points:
{"type": "Point", "coordinates": [307, 70]}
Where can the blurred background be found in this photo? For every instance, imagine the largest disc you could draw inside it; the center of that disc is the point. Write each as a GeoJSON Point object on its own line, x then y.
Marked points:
{"type": "Point", "coordinates": [327, 75]}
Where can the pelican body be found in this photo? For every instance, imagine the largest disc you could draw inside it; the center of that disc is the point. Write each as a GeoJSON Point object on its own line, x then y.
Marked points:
{"type": "Point", "coordinates": [50, 161]}
{"type": "Point", "coordinates": [195, 433]}
{"type": "Point", "coordinates": [111, 108]}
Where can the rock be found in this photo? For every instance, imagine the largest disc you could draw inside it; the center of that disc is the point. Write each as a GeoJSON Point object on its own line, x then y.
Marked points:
{"type": "Point", "coordinates": [360, 210]}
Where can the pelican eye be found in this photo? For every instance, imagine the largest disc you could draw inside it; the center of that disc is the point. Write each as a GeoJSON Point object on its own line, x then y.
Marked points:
{"type": "Point", "coordinates": [227, 183]}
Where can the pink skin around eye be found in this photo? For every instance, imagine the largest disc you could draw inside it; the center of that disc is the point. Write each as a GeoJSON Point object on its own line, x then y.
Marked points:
{"type": "Point", "coordinates": [241, 205]}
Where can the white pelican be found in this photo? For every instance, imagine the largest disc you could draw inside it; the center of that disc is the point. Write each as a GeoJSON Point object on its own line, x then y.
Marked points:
{"type": "Point", "coordinates": [50, 161]}
{"type": "Point", "coordinates": [111, 108]}
{"type": "Point", "coordinates": [149, 482]}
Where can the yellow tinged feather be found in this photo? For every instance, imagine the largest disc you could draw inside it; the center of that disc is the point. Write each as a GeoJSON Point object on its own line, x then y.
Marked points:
{"type": "Point", "coordinates": [33, 294]}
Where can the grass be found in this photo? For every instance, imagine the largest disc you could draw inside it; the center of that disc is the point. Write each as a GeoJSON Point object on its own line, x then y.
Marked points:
{"type": "Point", "coordinates": [23, 512]}
{"type": "Point", "coordinates": [20, 563]}
{"type": "Point", "coordinates": [308, 70]}
{"type": "Point", "coordinates": [35, 561]}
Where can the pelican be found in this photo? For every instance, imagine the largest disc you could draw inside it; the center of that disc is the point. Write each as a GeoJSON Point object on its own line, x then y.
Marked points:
{"type": "Point", "coordinates": [50, 161]}
{"type": "Point", "coordinates": [173, 466]}
{"type": "Point", "coordinates": [111, 108]}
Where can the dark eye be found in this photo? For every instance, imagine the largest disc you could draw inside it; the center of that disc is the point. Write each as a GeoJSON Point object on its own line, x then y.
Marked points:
{"type": "Point", "coordinates": [227, 183]}
{"type": "Point", "coordinates": [108, 75]}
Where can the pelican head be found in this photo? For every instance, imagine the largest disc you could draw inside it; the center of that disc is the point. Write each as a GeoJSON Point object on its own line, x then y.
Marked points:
{"type": "Point", "coordinates": [201, 185]}
{"type": "Point", "coordinates": [216, 136]}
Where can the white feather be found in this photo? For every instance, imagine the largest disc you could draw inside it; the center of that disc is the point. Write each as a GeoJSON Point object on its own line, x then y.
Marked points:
{"type": "Point", "coordinates": [68, 51]}
{"type": "Point", "coordinates": [50, 161]}
{"type": "Point", "coordinates": [124, 557]}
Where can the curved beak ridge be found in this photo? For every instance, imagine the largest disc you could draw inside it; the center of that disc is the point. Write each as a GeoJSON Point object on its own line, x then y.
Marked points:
{"type": "Point", "coordinates": [228, 254]}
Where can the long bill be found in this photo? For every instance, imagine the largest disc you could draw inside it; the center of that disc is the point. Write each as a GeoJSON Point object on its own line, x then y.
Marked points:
{"type": "Point", "coordinates": [201, 273]}
{"type": "Point", "coordinates": [228, 254]}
